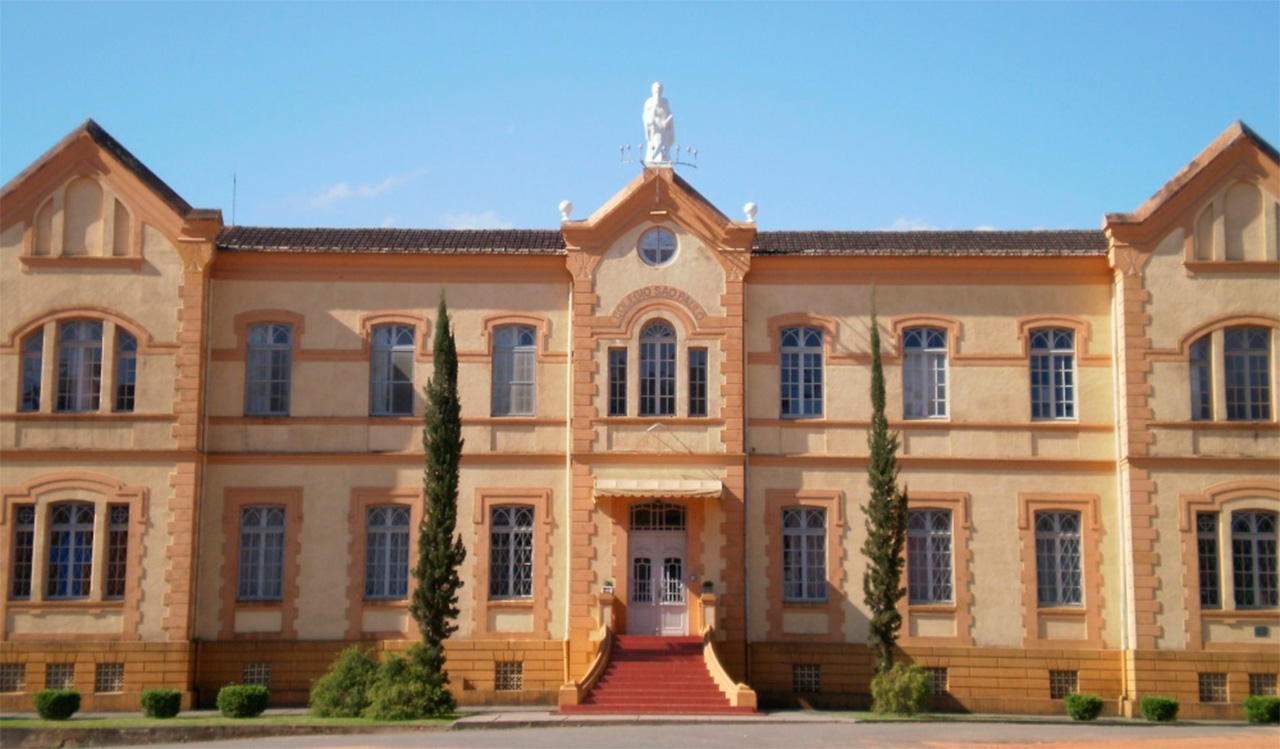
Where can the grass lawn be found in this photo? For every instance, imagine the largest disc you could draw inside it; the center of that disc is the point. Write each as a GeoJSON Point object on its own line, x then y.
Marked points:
{"type": "Point", "coordinates": [202, 721]}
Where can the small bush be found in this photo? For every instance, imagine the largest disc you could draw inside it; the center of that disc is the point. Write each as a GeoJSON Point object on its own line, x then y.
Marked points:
{"type": "Point", "coordinates": [1083, 706]}
{"type": "Point", "coordinates": [57, 704]}
{"type": "Point", "coordinates": [1262, 709]}
{"type": "Point", "coordinates": [1159, 709]}
{"type": "Point", "coordinates": [161, 703]}
{"type": "Point", "coordinates": [406, 688]}
{"type": "Point", "coordinates": [238, 701]}
{"type": "Point", "coordinates": [343, 692]}
{"type": "Point", "coordinates": [901, 690]}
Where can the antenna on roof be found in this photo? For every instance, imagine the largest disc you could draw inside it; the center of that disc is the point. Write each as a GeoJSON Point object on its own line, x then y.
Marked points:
{"type": "Point", "coordinates": [233, 198]}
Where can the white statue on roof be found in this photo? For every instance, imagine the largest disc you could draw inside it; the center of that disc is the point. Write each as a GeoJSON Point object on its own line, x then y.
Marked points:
{"type": "Point", "coordinates": [659, 128]}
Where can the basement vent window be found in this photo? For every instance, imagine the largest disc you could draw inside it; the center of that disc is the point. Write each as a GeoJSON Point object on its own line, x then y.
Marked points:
{"type": "Point", "coordinates": [13, 677]}
{"type": "Point", "coordinates": [1213, 687]}
{"type": "Point", "coordinates": [256, 675]}
{"type": "Point", "coordinates": [1063, 683]}
{"type": "Point", "coordinates": [60, 676]}
{"type": "Point", "coordinates": [937, 680]}
{"type": "Point", "coordinates": [806, 678]}
{"type": "Point", "coordinates": [109, 677]}
{"type": "Point", "coordinates": [508, 676]}
{"type": "Point", "coordinates": [1262, 685]}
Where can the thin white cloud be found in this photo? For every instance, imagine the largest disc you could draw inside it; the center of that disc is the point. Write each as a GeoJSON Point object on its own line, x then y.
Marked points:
{"type": "Point", "coordinates": [902, 223]}
{"type": "Point", "coordinates": [985, 227]}
{"type": "Point", "coordinates": [487, 220]}
{"type": "Point", "coordinates": [388, 222]}
{"type": "Point", "coordinates": [343, 191]}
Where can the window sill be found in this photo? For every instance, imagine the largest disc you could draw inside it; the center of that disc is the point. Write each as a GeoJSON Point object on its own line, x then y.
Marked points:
{"type": "Point", "coordinates": [1242, 615]}
{"type": "Point", "coordinates": [807, 605]}
{"type": "Point", "coordinates": [931, 608]}
{"type": "Point", "coordinates": [385, 603]}
{"type": "Point", "coordinates": [84, 416]}
{"type": "Point", "coordinates": [272, 604]}
{"type": "Point", "coordinates": [1219, 425]}
{"type": "Point", "coordinates": [650, 420]}
{"type": "Point", "coordinates": [1068, 612]}
{"type": "Point", "coordinates": [43, 261]}
{"type": "Point", "coordinates": [510, 603]}
{"type": "Point", "coordinates": [1231, 266]}
{"type": "Point", "coordinates": [92, 607]}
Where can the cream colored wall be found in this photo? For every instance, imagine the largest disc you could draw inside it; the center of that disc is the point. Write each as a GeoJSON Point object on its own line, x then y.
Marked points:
{"type": "Point", "coordinates": [694, 269]}
{"type": "Point", "coordinates": [325, 563]}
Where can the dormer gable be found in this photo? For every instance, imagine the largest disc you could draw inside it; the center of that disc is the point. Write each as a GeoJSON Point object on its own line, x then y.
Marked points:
{"type": "Point", "coordinates": [87, 200]}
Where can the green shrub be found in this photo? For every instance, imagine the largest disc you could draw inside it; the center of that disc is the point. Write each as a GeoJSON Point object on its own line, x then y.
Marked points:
{"type": "Point", "coordinates": [161, 703]}
{"type": "Point", "coordinates": [1262, 709]}
{"type": "Point", "coordinates": [239, 701]}
{"type": "Point", "coordinates": [902, 690]}
{"type": "Point", "coordinates": [57, 704]}
{"type": "Point", "coordinates": [406, 688]}
{"type": "Point", "coordinates": [1159, 709]}
{"type": "Point", "coordinates": [1083, 706]}
{"type": "Point", "coordinates": [343, 692]}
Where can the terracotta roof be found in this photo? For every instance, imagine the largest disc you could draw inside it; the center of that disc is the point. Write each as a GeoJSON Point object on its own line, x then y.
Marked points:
{"type": "Point", "coordinates": [932, 243]}
{"type": "Point", "coordinates": [394, 241]}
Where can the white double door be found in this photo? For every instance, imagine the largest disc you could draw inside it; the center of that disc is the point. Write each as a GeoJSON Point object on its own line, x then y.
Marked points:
{"type": "Point", "coordinates": [656, 604]}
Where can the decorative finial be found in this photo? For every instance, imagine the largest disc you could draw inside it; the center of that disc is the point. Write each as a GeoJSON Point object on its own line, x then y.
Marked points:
{"type": "Point", "coordinates": [566, 208]}
{"type": "Point", "coordinates": [750, 209]}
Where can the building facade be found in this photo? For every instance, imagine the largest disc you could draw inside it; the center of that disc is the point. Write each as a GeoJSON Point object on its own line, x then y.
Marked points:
{"type": "Point", "coordinates": [212, 465]}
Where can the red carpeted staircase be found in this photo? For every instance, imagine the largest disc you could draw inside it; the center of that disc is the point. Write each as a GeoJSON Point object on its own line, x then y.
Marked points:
{"type": "Point", "coordinates": [656, 675]}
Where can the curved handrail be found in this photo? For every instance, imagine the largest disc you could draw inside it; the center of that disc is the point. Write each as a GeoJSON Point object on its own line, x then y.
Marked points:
{"type": "Point", "coordinates": [739, 694]}
{"type": "Point", "coordinates": [598, 664]}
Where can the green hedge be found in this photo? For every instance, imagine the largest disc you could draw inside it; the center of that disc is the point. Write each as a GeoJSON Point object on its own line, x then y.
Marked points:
{"type": "Point", "coordinates": [161, 703]}
{"type": "Point", "coordinates": [902, 690]}
{"type": "Point", "coordinates": [1159, 709]}
{"type": "Point", "coordinates": [57, 704]}
{"type": "Point", "coordinates": [238, 701]}
{"type": "Point", "coordinates": [343, 692]}
{"type": "Point", "coordinates": [1259, 709]}
{"type": "Point", "coordinates": [1083, 706]}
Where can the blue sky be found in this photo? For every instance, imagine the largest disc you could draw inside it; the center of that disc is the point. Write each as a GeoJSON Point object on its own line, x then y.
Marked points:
{"type": "Point", "coordinates": [828, 115]}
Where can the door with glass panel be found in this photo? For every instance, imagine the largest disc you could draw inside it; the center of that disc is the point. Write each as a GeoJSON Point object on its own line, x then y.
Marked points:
{"type": "Point", "coordinates": [657, 600]}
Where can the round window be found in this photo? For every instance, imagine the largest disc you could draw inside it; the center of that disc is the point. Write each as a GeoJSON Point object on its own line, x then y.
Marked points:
{"type": "Point", "coordinates": [657, 246]}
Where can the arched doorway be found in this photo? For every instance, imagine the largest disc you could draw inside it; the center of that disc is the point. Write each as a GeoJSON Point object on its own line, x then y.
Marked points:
{"type": "Point", "coordinates": [657, 550]}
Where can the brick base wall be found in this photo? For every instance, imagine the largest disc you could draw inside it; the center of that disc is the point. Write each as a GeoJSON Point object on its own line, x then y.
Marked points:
{"type": "Point", "coordinates": [147, 665]}
{"type": "Point", "coordinates": [1177, 675]}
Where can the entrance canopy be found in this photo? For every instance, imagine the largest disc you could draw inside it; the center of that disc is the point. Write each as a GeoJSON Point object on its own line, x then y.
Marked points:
{"type": "Point", "coordinates": [659, 488]}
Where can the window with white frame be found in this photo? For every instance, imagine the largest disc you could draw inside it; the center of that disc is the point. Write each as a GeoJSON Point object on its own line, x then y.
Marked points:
{"type": "Point", "coordinates": [32, 370]}
{"type": "Point", "coordinates": [126, 371]}
{"type": "Point", "coordinates": [1058, 564]}
{"type": "Point", "coordinates": [386, 552]}
{"type": "Point", "coordinates": [929, 577]}
{"type": "Point", "coordinates": [924, 373]}
{"type": "Point", "coordinates": [804, 554]}
{"type": "Point", "coordinates": [515, 366]}
{"type": "Point", "coordinates": [70, 570]}
{"type": "Point", "coordinates": [697, 382]}
{"type": "Point", "coordinates": [117, 578]}
{"type": "Point", "coordinates": [391, 371]}
{"type": "Point", "coordinates": [268, 369]}
{"type": "Point", "coordinates": [24, 544]}
{"type": "Point", "coordinates": [511, 551]}
{"type": "Point", "coordinates": [1207, 556]}
{"type": "Point", "coordinates": [261, 567]}
{"type": "Point", "coordinates": [79, 365]}
{"type": "Point", "coordinates": [1200, 358]}
{"type": "Point", "coordinates": [658, 370]}
{"type": "Point", "coordinates": [617, 382]}
{"type": "Point", "coordinates": [1253, 559]}
{"type": "Point", "coordinates": [1053, 374]}
{"type": "Point", "coordinates": [1247, 370]}
{"type": "Point", "coordinates": [800, 358]}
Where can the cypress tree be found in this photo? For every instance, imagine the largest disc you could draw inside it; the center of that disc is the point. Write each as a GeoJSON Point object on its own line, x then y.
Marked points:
{"type": "Point", "coordinates": [440, 551]}
{"type": "Point", "coordinates": [886, 518]}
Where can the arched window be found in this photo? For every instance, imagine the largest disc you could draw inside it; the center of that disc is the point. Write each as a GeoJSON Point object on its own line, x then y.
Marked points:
{"type": "Point", "coordinates": [391, 371]}
{"type": "Point", "coordinates": [268, 368]}
{"type": "Point", "coordinates": [515, 369]}
{"type": "Point", "coordinates": [79, 365]}
{"type": "Point", "coordinates": [801, 375]}
{"type": "Point", "coordinates": [929, 556]}
{"type": "Point", "coordinates": [511, 552]}
{"type": "Point", "coordinates": [386, 568]}
{"type": "Point", "coordinates": [804, 554]}
{"type": "Point", "coordinates": [1058, 564]}
{"type": "Point", "coordinates": [70, 550]}
{"type": "Point", "coordinates": [924, 373]}
{"type": "Point", "coordinates": [658, 370]}
{"type": "Point", "coordinates": [1253, 559]}
{"type": "Point", "coordinates": [261, 569]}
{"type": "Point", "coordinates": [1247, 369]}
{"type": "Point", "coordinates": [1053, 374]}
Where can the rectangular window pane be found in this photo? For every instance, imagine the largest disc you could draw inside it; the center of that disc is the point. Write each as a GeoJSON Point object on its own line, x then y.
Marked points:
{"type": "Point", "coordinates": [697, 382]}
{"type": "Point", "coordinates": [24, 533]}
{"type": "Point", "coordinates": [117, 551]}
{"type": "Point", "coordinates": [617, 382]}
{"type": "Point", "coordinates": [1207, 553]}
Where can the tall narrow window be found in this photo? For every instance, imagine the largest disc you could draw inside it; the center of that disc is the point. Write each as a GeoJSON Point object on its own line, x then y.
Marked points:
{"type": "Point", "coordinates": [929, 556]}
{"type": "Point", "coordinates": [70, 550]}
{"type": "Point", "coordinates": [1207, 554]}
{"type": "Point", "coordinates": [261, 553]}
{"type": "Point", "coordinates": [924, 373]}
{"type": "Point", "coordinates": [697, 382]}
{"type": "Point", "coordinates": [1058, 580]}
{"type": "Point", "coordinates": [1053, 373]}
{"type": "Point", "coordinates": [617, 382]}
{"type": "Point", "coordinates": [126, 370]}
{"type": "Point", "coordinates": [32, 368]}
{"type": "Point", "coordinates": [515, 364]}
{"type": "Point", "coordinates": [117, 551]}
{"type": "Point", "coordinates": [801, 375]}
{"type": "Point", "coordinates": [804, 554]}
{"type": "Point", "coordinates": [24, 544]}
{"type": "Point", "coordinates": [511, 552]}
{"type": "Point", "coordinates": [386, 550]}
{"type": "Point", "coordinates": [1253, 558]}
{"type": "Point", "coordinates": [1201, 379]}
{"type": "Point", "coordinates": [391, 371]}
{"type": "Point", "coordinates": [1248, 373]}
{"type": "Point", "coordinates": [79, 365]}
{"type": "Point", "coordinates": [268, 369]}
{"type": "Point", "coordinates": [658, 370]}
